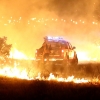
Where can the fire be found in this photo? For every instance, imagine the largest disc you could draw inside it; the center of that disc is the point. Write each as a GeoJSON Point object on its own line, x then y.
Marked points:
{"type": "Point", "coordinates": [17, 54]}
{"type": "Point", "coordinates": [13, 72]}
{"type": "Point", "coordinates": [82, 56]}
{"type": "Point", "coordinates": [88, 56]}
{"type": "Point", "coordinates": [16, 72]}
{"type": "Point", "coordinates": [68, 79]}
{"type": "Point", "coordinates": [90, 52]}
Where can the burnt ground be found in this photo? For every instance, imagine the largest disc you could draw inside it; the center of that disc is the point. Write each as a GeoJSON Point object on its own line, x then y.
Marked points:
{"type": "Point", "coordinates": [15, 89]}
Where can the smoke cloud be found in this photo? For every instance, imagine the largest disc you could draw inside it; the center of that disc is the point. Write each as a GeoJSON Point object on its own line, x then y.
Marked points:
{"type": "Point", "coordinates": [75, 20]}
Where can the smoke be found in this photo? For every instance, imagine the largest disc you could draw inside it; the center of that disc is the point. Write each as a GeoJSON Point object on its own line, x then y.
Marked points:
{"type": "Point", "coordinates": [72, 19]}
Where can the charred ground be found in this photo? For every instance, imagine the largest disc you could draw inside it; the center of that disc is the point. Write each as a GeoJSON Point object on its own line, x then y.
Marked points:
{"type": "Point", "coordinates": [13, 88]}
{"type": "Point", "coordinates": [46, 90]}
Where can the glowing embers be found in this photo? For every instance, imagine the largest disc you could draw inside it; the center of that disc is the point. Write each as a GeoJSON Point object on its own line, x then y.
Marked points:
{"type": "Point", "coordinates": [68, 79]}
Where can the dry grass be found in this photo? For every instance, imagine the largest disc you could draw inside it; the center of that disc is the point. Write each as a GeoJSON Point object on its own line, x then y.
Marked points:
{"type": "Point", "coordinates": [15, 89]}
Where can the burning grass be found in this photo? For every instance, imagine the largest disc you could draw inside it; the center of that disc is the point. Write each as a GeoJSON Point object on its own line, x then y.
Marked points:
{"type": "Point", "coordinates": [26, 69]}
{"type": "Point", "coordinates": [22, 80]}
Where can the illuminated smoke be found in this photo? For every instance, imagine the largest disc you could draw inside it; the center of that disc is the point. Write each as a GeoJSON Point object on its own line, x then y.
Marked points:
{"type": "Point", "coordinates": [76, 20]}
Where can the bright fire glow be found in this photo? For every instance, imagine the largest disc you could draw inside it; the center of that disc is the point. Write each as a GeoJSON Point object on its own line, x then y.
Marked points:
{"type": "Point", "coordinates": [83, 56]}
{"type": "Point", "coordinates": [88, 56]}
{"type": "Point", "coordinates": [15, 72]}
{"type": "Point", "coordinates": [17, 54]}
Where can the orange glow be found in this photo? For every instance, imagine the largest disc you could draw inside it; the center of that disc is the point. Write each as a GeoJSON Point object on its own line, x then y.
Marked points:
{"type": "Point", "coordinates": [62, 51]}
{"type": "Point", "coordinates": [83, 56]}
{"type": "Point", "coordinates": [17, 73]}
{"type": "Point", "coordinates": [26, 28]}
{"type": "Point", "coordinates": [17, 54]}
{"type": "Point", "coordinates": [13, 72]}
{"type": "Point", "coordinates": [91, 54]}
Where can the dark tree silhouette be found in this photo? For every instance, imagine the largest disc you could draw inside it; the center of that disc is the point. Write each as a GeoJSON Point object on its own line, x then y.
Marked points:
{"type": "Point", "coordinates": [4, 48]}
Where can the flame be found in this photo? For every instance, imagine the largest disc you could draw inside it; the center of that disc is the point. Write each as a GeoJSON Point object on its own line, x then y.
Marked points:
{"type": "Point", "coordinates": [17, 54]}
{"type": "Point", "coordinates": [68, 79]}
{"type": "Point", "coordinates": [83, 56]}
{"type": "Point", "coordinates": [88, 56]}
{"type": "Point", "coordinates": [16, 72]}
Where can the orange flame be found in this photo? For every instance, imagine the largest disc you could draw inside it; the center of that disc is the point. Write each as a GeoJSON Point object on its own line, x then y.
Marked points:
{"type": "Point", "coordinates": [17, 54]}
{"type": "Point", "coordinates": [15, 71]}
{"type": "Point", "coordinates": [24, 74]}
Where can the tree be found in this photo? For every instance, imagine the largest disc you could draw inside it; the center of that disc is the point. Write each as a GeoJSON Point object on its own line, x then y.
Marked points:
{"type": "Point", "coordinates": [4, 48]}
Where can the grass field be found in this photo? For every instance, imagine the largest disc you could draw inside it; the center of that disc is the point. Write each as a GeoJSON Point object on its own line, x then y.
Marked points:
{"type": "Point", "coordinates": [15, 89]}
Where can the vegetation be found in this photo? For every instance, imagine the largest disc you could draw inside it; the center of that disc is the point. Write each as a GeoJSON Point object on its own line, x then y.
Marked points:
{"type": "Point", "coordinates": [4, 48]}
